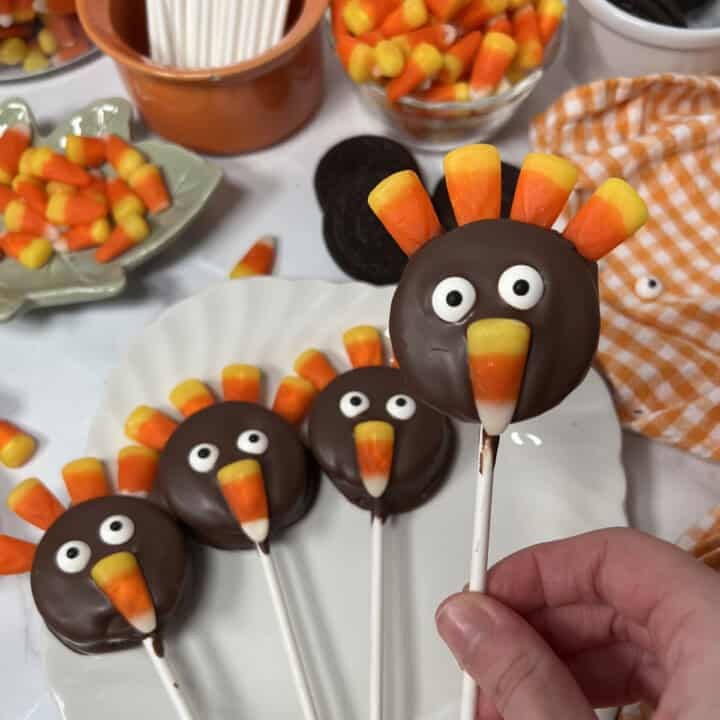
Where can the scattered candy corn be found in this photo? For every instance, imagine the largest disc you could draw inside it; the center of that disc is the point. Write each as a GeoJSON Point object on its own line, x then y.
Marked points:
{"type": "Point", "coordinates": [16, 447]}
{"type": "Point", "coordinates": [357, 57]}
{"type": "Point", "coordinates": [124, 158]}
{"type": "Point", "coordinates": [16, 556]}
{"type": "Point", "coordinates": [473, 181]}
{"type": "Point", "coordinates": [458, 59]}
{"type": "Point", "coordinates": [496, 53]}
{"type": "Point", "coordinates": [190, 397]}
{"type": "Point", "coordinates": [550, 15]}
{"type": "Point", "coordinates": [34, 503]}
{"type": "Point", "coordinates": [32, 192]}
{"type": "Point", "coordinates": [363, 346]}
{"type": "Point", "coordinates": [241, 383]}
{"type": "Point", "coordinates": [258, 260]}
{"type": "Point", "coordinates": [13, 143]}
{"type": "Point", "coordinates": [613, 213]}
{"type": "Point", "coordinates": [500, 23]}
{"type": "Point", "coordinates": [527, 36]}
{"type": "Point", "coordinates": [244, 491]}
{"type": "Point", "coordinates": [6, 197]}
{"type": "Point", "coordinates": [314, 366]}
{"type": "Point", "coordinates": [445, 10]}
{"type": "Point", "coordinates": [21, 218]}
{"type": "Point", "coordinates": [293, 398]}
{"type": "Point", "coordinates": [49, 165]}
{"type": "Point", "coordinates": [361, 16]}
{"type": "Point", "coordinates": [424, 63]}
{"type": "Point", "coordinates": [147, 181]}
{"type": "Point", "coordinates": [452, 92]}
{"type": "Point", "coordinates": [56, 187]}
{"type": "Point", "coordinates": [137, 468]}
{"type": "Point", "coordinates": [85, 151]}
{"type": "Point", "coordinates": [123, 201]}
{"type": "Point", "coordinates": [29, 250]}
{"type": "Point", "coordinates": [82, 237]}
{"type": "Point", "coordinates": [13, 51]}
{"type": "Point", "coordinates": [85, 479]}
{"type": "Point", "coordinates": [47, 42]}
{"type": "Point", "coordinates": [149, 427]}
{"type": "Point", "coordinates": [409, 15]}
{"type": "Point", "coordinates": [478, 12]}
{"type": "Point", "coordinates": [75, 209]}
{"type": "Point", "coordinates": [374, 446]}
{"type": "Point", "coordinates": [130, 231]}
{"type": "Point", "coordinates": [389, 59]}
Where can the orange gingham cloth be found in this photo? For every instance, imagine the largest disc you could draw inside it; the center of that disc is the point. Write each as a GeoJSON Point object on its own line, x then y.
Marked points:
{"type": "Point", "coordinates": [662, 134]}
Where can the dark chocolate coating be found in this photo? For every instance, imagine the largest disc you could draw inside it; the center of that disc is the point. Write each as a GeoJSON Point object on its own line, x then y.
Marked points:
{"type": "Point", "coordinates": [75, 610]}
{"type": "Point", "coordinates": [196, 499]}
{"type": "Point", "coordinates": [565, 324]}
{"type": "Point", "coordinates": [424, 444]}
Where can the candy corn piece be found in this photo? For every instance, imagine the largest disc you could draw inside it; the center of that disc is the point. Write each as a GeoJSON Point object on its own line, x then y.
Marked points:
{"type": "Point", "coordinates": [147, 181]}
{"type": "Point", "coordinates": [190, 397]}
{"type": "Point", "coordinates": [120, 578]}
{"type": "Point", "coordinates": [425, 62]}
{"type": "Point", "coordinates": [363, 346]}
{"type": "Point", "coordinates": [374, 445]}
{"type": "Point", "coordinates": [403, 206]}
{"type": "Point", "coordinates": [82, 237]}
{"type": "Point", "coordinates": [243, 488]}
{"type": "Point", "coordinates": [29, 250]}
{"type": "Point", "coordinates": [527, 35]}
{"type": "Point", "coordinates": [293, 399]}
{"type": "Point", "coordinates": [361, 16]}
{"type": "Point", "coordinates": [241, 383]}
{"type": "Point", "coordinates": [32, 191]}
{"type": "Point", "coordinates": [16, 447]}
{"type": "Point", "coordinates": [409, 15]}
{"type": "Point", "coordinates": [389, 59]}
{"type": "Point", "coordinates": [496, 53]}
{"type": "Point", "coordinates": [124, 158]}
{"type": "Point", "coordinates": [13, 51]}
{"type": "Point", "coordinates": [338, 22]}
{"type": "Point", "coordinates": [85, 479]}
{"type": "Point", "coordinates": [129, 231]}
{"type": "Point", "coordinates": [372, 38]}
{"type": "Point", "coordinates": [543, 188]}
{"type": "Point", "coordinates": [56, 7]}
{"type": "Point", "coordinates": [16, 556]}
{"type": "Point", "coordinates": [6, 197]}
{"type": "Point", "coordinates": [35, 60]}
{"type": "Point", "coordinates": [23, 11]}
{"type": "Point", "coordinates": [439, 36]}
{"type": "Point", "coordinates": [458, 59]}
{"type": "Point", "coordinates": [314, 366]}
{"type": "Point", "coordinates": [35, 504]}
{"type": "Point", "coordinates": [20, 217]}
{"type": "Point", "coordinates": [6, 13]}
{"type": "Point", "coordinates": [357, 57]}
{"type": "Point", "coordinates": [444, 10]}
{"type": "Point", "coordinates": [75, 209]}
{"type": "Point", "coordinates": [450, 92]}
{"type": "Point", "coordinates": [13, 143]}
{"type": "Point", "coordinates": [123, 201]}
{"type": "Point", "coordinates": [478, 12]}
{"type": "Point", "coordinates": [258, 260]}
{"type": "Point", "coordinates": [472, 174]}
{"type": "Point", "coordinates": [57, 187]}
{"type": "Point", "coordinates": [85, 151]}
{"type": "Point", "coordinates": [500, 23]}
{"type": "Point", "coordinates": [149, 427]}
{"type": "Point", "coordinates": [137, 468]}
{"type": "Point", "coordinates": [23, 30]}
{"type": "Point", "coordinates": [613, 213]}
{"type": "Point", "coordinates": [550, 14]}
{"type": "Point", "coordinates": [48, 165]}
{"type": "Point", "coordinates": [497, 351]}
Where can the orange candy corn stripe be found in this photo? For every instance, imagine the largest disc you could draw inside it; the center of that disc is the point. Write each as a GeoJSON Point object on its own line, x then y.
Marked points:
{"type": "Point", "coordinates": [191, 396]}
{"type": "Point", "coordinates": [16, 556]}
{"type": "Point", "coordinates": [496, 53]}
{"type": "Point", "coordinates": [445, 9]}
{"type": "Point", "coordinates": [543, 188]}
{"type": "Point", "coordinates": [124, 158]}
{"type": "Point", "coordinates": [439, 36]}
{"type": "Point", "coordinates": [527, 35]}
{"type": "Point", "coordinates": [550, 15]}
{"type": "Point", "coordinates": [403, 206]}
{"type": "Point", "coordinates": [243, 488]}
{"type": "Point", "coordinates": [29, 250]}
{"type": "Point", "coordinates": [478, 12]}
{"type": "Point", "coordinates": [473, 181]}
{"type": "Point", "coordinates": [374, 446]}
{"type": "Point", "coordinates": [49, 165]}
{"type": "Point", "coordinates": [314, 366]}
{"type": "Point", "coordinates": [149, 427]}
{"type": "Point", "coordinates": [293, 399]}
{"type": "Point", "coordinates": [82, 237]}
{"type": "Point", "coordinates": [147, 181]}
{"type": "Point", "coordinates": [363, 346]}
{"type": "Point", "coordinates": [32, 192]}
{"type": "Point", "coordinates": [258, 260]}
{"type": "Point", "coordinates": [16, 447]}
{"type": "Point", "coordinates": [497, 352]}
{"type": "Point", "coordinates": [120, 578]}
{"type": "Point", "coordinates": [137, 469]}
{"type": "Point", "coordinates": [123, 201]}
{"type": "Point", "coordinates": [85, 151]}
{"type": "Point", "coordinates": [241, 383]}
{"type": "Point", "coordinates": [129, 231]}
{"type": "Point", "coordinates": [425, 62]}
{"type": "Point", "coordinates": [75, 209]}
{"type": "Point", "coordinates": [13, 143]}
{"type": "Point", "coordinates": [85, 479]}
{"type": "Point", "coordinates": [20, 217]}
{"type": "Point", "coordinates": [500, 23]}
{"type": "Point", "coordinates": [458, 59]}
{"type": "Point", "coordinates": [410, 15]}
{"type": "Point", "coordinates": [613, 213]}
{"type": "Point", "coordinates": [451, 92]}
{"type": "Point", "coordinates": [6, 197]}
{"type": "Point", "coordinates": [35, 504]}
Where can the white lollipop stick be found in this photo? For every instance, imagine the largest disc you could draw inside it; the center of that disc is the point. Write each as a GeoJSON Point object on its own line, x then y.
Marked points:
{"type": "Point", "coordinates": [376, 618]}
{"type": "Point", "coordinates": [168, 680]}
{"type": "Point", "coordinates": [291, 647]}
{"type": "Point", "coordinates": [487, 448]}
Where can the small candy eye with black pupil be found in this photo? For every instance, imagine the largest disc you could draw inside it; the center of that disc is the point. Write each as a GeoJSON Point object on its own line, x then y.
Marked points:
{"type": "Point", "coordinates": [117, 529]}
{"type": "Point", "coordinates": [202, 457]}
{"type": "Point", "coordinates": [254, 442]}
{"type": "Point", "coordinates": [521, 287]}
{"type": "Point", "coordinates": [401, 407]}
{"type": "Point", "coordinates": [73, 556]}
{"type": "Point", "coordinates": [453, 298]}
{"type": "Point", "coordinates": [648, 288]}
{"type": "Point", "coordinates": [354, 403]}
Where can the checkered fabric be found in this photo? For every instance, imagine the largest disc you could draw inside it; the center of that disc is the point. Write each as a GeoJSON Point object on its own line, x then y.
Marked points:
{"type": "Point", "coordinates": [660, 290]}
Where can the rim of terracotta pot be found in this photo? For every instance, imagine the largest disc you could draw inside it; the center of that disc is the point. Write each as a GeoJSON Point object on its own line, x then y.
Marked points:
{"type": "Point", "coordinates": [95, 17]}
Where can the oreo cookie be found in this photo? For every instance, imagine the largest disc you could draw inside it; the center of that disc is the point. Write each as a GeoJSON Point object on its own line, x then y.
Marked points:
{"type": "Point", "coordinates": [443, 207]}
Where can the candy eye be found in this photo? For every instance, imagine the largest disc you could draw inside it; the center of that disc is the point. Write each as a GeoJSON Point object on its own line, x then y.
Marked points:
{"type": "Point", "coordinates": [253, 442]}
{"type": "Point", "coordinates": [117, 529]}
{"type": "Point", "coordinates": [353, 404]}
{"type": "Point", "coordinates": [648, 288]}
{"type": "Point", "coordinates": [453, 298]}
{"type": "Point", "coordinates": [73, 556]}
{"type": "Point", "coordinates": [401, 407]}
{"type": "Point", "coordinates": [203, 457]}
{"type": "Point", "coordinates": [521, 287]}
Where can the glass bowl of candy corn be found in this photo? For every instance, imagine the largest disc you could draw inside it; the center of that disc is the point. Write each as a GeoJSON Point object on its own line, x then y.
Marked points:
{"type": "Point", "coordinates": [441, 73]}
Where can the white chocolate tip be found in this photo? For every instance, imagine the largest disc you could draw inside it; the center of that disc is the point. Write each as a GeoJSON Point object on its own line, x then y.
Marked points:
{"type": "Point", "coordinates": [375, 485]}
{"type": "Point", "coordinates": [145, 623]}
{"type": "Point", "coordinates": [495, 417]}
{"type": "Point", "coordinates": [257, 530]}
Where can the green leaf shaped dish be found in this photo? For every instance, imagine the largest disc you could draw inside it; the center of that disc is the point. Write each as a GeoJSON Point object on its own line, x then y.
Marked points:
{"type": "Point", "coordinates": [76, 277]}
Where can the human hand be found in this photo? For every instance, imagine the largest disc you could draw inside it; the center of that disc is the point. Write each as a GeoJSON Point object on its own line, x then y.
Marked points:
{"type": "Point", "coordinates": [602, 619]}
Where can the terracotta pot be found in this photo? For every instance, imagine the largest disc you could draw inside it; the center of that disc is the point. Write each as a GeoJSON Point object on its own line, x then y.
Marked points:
{"type": "Point", "coordinates": [221, 111]}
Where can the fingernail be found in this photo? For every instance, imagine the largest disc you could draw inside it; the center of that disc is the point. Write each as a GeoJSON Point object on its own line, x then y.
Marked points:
{"type": "Point", "coordinates": [462, 620]}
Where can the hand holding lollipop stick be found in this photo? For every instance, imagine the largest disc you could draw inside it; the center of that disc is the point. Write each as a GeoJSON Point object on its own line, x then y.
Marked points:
{"type": "Point", "coordinates": [498, 320]}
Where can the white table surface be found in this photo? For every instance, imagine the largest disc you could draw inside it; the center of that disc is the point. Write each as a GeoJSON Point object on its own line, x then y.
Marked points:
{"type": "Point", "coordinates": [53, 363]}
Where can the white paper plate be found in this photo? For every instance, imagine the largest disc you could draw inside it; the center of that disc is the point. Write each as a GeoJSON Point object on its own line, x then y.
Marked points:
{"type": "Point", "coordinates": [557, 475]}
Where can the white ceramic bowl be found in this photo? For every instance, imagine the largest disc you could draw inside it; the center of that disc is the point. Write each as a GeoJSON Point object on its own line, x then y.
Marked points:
{"type": "Point", "coordinates": [608, 42]}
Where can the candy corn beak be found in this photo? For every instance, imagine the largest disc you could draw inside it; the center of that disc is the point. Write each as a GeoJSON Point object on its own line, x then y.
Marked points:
{"type": "Point", "coordinates": [374, 446]}
{"type": "Point", "coordinates": [120, 578]}
{"type": "Point", "coordinates": [497, 351]}
{"type": "Point", "coordinates": [242, 485]}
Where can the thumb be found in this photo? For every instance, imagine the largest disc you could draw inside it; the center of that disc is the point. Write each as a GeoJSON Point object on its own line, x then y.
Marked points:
{"type": "Point", "coordinates": [513, 666]}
